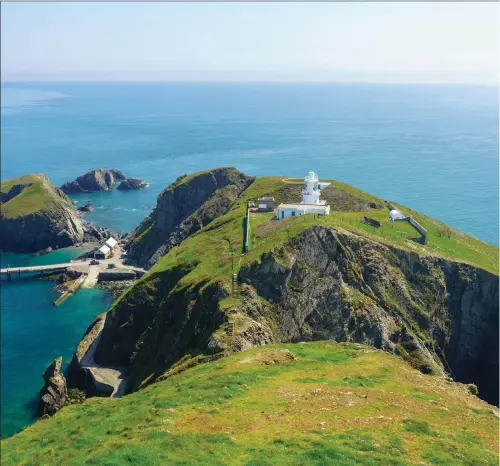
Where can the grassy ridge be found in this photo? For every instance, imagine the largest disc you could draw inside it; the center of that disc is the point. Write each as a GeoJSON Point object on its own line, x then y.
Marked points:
{"type": "Point", "coordinates": [305, 404]}
{"type": "Point", "coordinates": [38, 195]}
{"type": "Point", "coordinates": [208, 252]}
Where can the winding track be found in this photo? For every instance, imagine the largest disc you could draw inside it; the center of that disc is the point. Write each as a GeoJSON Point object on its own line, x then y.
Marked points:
{"type": "Point", "coordinates": [107, 379]}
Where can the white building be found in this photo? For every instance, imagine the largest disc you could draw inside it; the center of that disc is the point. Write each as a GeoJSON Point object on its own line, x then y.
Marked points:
{"type": "Point", "coordinates": [395, 214]}
{"type": "Point", "coordinates": [311, 202]}
{"type": "Point", "coordinates": [102, 253]}
{"type": "Point", "coordinates": [111, 243]}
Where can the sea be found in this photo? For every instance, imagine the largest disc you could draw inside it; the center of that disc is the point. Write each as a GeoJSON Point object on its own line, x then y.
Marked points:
{"type": "Point", "coordinates": [433, 148]}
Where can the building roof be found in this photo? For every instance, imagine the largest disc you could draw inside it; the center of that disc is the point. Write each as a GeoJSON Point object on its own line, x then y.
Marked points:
{"type": "Point", "coordinates": [265, 199]}
{"type": "Point", "coordinates": [396, 215]}
{"type": "Point", "coordinates": [302, 206]}
{"type": "Point", "coordinates": [111, 242]}
{"type": "Point", "coordinates": [104, 249]}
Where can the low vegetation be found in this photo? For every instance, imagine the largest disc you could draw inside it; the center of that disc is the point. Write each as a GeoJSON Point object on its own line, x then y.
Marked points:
{"type": "Point", "coordinates": [38, 195]}
{"type": "Point", "coordinates": [304, 404]}
{"type": "Point", "coordinates": [214, 253]}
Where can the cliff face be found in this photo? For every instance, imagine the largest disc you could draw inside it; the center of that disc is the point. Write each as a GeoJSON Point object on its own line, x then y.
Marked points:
{"type": "Point", "coordinates": [36, 215]}
{"type": "Point", "coordinates": [183, 208]}
{"type": "Point", "coordinates": [437, 314]}
{"type": "Point", "coordinates": [324, 284]}
{"type": "Point", "coordinates": [54, 392]}
{"type": "Point", "coordinates": [94, 180]}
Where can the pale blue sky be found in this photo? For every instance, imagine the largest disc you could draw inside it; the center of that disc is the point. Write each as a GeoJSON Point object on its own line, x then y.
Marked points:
{"type": "Point", "coordinates": [392, 42]}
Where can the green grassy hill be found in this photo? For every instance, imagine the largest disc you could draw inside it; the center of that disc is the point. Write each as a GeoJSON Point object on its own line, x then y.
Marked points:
{"type": "Point", "coordinates": [407, 298]}
{"type": "Point", "coordinates": [209, 250]}
{"type": "Point", "coordinates": [304, 404]}
{"type": "Point", "coordinates": [38, 195]}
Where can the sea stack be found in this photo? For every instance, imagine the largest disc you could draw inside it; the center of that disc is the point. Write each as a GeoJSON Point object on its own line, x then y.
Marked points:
{"type": "Point", "coordinates": [54, 392]}
{"type": "Point", "coordinates": [100, 179]}
{"type": "Point", "coordinates": [131, 184]}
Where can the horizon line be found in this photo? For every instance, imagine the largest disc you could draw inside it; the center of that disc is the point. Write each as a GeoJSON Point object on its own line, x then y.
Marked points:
{"type": "Point", "coordinates": [222, 81]}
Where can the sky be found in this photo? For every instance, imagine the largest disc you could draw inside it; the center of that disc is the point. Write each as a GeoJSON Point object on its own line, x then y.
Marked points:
{"type": "Point", "coordinates": [368, 42]}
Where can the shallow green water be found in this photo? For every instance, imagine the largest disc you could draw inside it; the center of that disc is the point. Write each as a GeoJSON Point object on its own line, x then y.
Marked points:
{"type": "Point", "coordinates": [33, 333]}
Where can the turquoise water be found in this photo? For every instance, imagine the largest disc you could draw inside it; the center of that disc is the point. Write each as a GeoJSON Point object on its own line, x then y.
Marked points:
{"type": "Point", "coordinates": [433, 148]}
{"type": "Point", "coordinates": [34, 333]}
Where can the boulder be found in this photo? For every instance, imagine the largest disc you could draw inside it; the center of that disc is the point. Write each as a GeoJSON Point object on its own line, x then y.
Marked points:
{"type": "Point", "coordinates": [86, 208]}
{"type": "Point", "coordinates": [100, 179]}
{"type": "Point", "coordinates": [54, 392]}
{"type": "Point", "coordinates": [132, 184]}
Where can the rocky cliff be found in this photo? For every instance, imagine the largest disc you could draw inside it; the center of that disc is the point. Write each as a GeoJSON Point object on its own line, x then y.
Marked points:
{"type": "Point", "coordinates": [439, 315]}
{"type": "Point", "coordinates": [54, 392]}
{"type": "Point", "coordinates": [183, 208]}
{"type": "Point", "coordinates": [131, 184]}
{"type": "Point", "coordinates": [323, 284]}
{"type": "Point", "coordinates": [35, 215]}
{"type": "Point", "coordinates": [100, 179]}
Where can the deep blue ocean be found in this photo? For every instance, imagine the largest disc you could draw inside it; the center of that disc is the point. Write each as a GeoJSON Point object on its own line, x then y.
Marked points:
{"type": "Point", "coordinates": [433, 148]}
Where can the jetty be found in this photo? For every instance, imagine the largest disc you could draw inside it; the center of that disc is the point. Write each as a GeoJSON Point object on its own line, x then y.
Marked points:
{"type": "Point", "coordinates": [73, 288]}
{"type": "Point", "coordinates": [89, 272]}
{"type": "Point", "coordinates": [41, 270]}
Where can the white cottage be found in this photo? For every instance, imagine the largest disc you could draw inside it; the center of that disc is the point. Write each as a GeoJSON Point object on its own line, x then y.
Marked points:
{"type": "Point", "coordinates": [311, 202]}
{"type": "Point", "coordinates": [111, 243]}
{"type": "Point", "coordinates": [102, 253]}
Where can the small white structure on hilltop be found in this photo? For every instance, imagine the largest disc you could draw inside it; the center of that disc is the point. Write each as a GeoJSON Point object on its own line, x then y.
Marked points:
{"type": "Point", "coordinates": [395, 214]}
{"type": "Point", "coordinates": [311, 202]}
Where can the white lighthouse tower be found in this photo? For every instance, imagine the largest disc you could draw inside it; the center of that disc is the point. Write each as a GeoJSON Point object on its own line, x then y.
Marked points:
{"type": "Point", "coordinates": [311, 203]}
{"type": "Point", "coordinates": [311, 192]}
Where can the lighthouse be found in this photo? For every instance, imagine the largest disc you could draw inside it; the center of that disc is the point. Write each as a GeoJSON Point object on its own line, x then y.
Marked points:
{"type": "Point", "coordinates": [311, 192]}
{"type": "Point", "coordinates": [311, 202]}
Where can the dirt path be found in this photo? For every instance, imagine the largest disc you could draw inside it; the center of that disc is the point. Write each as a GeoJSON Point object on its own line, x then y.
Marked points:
{"type": "Point", "coordinates": [107, 379]}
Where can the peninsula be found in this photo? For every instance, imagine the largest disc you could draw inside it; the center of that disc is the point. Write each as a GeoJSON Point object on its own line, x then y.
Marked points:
{"type": "Point", "coordinates": [338, 337]}
{"type": "Point", "coordinates": [36, 215]}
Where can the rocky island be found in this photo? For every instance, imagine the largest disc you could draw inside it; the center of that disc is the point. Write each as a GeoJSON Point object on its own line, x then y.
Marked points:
{"type": "Point", "coordinates": [131, 184]}
{"type": "Point", "coordinates": [35, 215]}
{"type": "Point", "coordinates": [345, 341]}
{"type": "Point", "coordinates": [100, 179]}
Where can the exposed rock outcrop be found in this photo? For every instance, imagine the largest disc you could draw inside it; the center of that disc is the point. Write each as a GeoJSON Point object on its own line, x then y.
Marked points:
{"type": "Point", "coordinates": [41, 216]}
{"type": "Point", "coordinates": [439, 315]}
{"type": "Point", "coordinates": [79, 376]}
{"type": "Point", "coordinates": [131, 184]}
{"type": "Point", "coordinates": [54, 392]}
{"type": "Point", "coordinates": [325, 283]}
{"type": "Point", "coordinates": [183, 208]}
{"type": "Point", "coordinates": [86, 208]}
{"type": "Point", "coordinates": [100, 179]}
{"type": "Point", "coordinates": [13, 192]}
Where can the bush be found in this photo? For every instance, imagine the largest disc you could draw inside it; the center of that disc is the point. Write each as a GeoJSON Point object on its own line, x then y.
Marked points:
{"type": "Point", "coordinates": [444, 232]}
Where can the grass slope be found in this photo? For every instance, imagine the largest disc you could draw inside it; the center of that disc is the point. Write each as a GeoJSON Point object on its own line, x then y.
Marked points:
{"type": "Point", "coordinates": [208, 252]}
{"type": "Point", "coordinates": [305, 404]}
{"type": "Point", "coordinates": [38, 195]}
